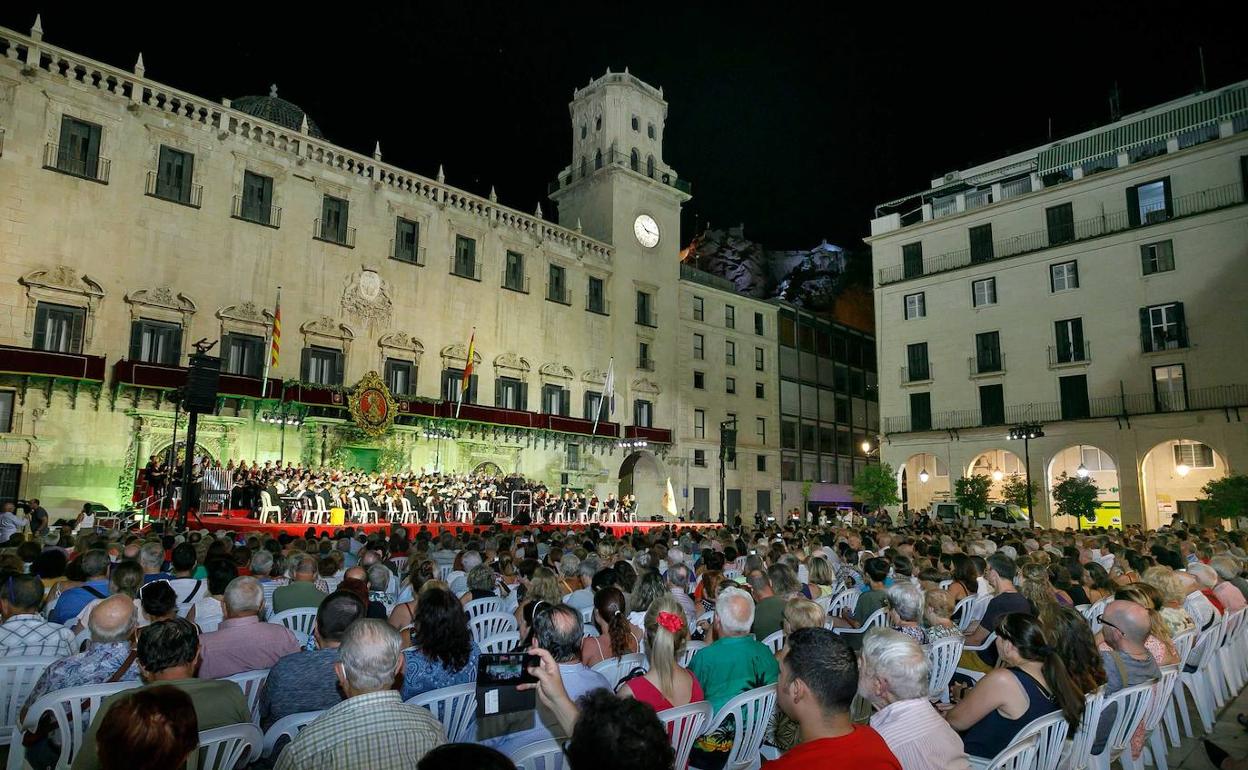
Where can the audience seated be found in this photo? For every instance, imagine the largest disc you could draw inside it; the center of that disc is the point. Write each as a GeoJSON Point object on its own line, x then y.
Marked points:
{"type": "Point", "coordinates": [665, 684]}
{"type": "Point", "coordinates": [616, 636]}
{"type": "Point", "coordinates": [444, 653]}
{"type": "Point", "coordinates": [24, 631]}
{"type": "Point", "coordinates": [241, 642]}
{"type": "Point", "coordinates": [152, 729]}
{"type": "Point", "coordinates": [94, 565]}
{"type": "Point", "coordinates": [302, 590]}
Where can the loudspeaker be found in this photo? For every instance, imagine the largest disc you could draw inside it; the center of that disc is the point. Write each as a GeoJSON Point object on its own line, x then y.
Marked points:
{"type": "Point", "coordinates": [201, 384]}
{"type": "Point", "coordinates": [728, 444]}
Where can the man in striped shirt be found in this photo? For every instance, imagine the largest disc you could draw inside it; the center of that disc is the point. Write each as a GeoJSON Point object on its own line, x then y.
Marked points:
{"type": "Point", "coordinates": [24, 631]}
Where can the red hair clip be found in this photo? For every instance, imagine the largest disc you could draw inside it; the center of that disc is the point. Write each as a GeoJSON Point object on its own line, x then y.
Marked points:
{"type": "Point", "coordinates": [671, 621]}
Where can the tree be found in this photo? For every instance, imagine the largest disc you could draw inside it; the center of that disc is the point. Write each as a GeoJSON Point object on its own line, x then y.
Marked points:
{"type": "Point", "coordinates": [971, 493]}
{"type": "Point", "coordinates": [1225, 498]}
{"type": "Point", "coordinates": [875, 486]}
{"type": "Point", "coordinates": [1014, 491]}
{"type": "Point", "coordinates": [1076, 496]}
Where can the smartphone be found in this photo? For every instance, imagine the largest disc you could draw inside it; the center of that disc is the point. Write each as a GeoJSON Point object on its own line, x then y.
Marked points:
{"type": "Point", "coordinates": [498, 675]}
{"type": "Point", "coordinates": [753, 553]}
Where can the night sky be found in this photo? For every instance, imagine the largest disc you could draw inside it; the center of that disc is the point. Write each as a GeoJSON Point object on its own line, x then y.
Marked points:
{"type": "Point", "coordinates": [795, 124]}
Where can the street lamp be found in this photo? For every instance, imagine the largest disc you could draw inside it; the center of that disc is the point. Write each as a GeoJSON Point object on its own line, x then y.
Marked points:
{"type": "Point", "coordinates": [923, 477]}
{"type": "Point", "coordinates": [997, 474]}
{"type": "Point", "coordinates": [1026, 432]}
{"type": "Point", "coordinates": [1182, 469]}
{"type": "Point", "coordinates": [1082, 471]}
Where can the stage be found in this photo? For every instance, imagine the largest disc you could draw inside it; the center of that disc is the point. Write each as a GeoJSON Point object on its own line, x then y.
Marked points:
{"type": "Point", "coordinates": [236, 521]}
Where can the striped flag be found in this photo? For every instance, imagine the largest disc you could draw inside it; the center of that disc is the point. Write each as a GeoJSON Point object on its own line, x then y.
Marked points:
{"type": "Point", "coordinates": [275, 346]}
{"type": "Point", "coordinates": [608, 389]}
{"type": "Point", "coordinates": [463, 386]}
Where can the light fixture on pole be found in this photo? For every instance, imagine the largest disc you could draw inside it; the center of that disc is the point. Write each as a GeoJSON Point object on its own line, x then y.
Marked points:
{"type": "Point", "coordinates": [1182, 468]}
{"type": "Point", "coordinates": [866, 447]}
{"type": "Point", "coordinates": [923, 477]}
{"type": "Point", "coordinates": [997, 474]}
{"type": "Point", "coordinates": [1026, 432]}
{"type": "Point", "coordinates": [1082, 470]}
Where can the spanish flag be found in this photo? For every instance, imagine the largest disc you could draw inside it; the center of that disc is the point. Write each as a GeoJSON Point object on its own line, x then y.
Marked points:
{"type": "Point", "coordinates": [463, 386]}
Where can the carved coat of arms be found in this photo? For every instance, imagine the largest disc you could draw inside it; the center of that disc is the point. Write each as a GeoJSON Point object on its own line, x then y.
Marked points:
{"type": "Point", "coordinates": [367, 296]}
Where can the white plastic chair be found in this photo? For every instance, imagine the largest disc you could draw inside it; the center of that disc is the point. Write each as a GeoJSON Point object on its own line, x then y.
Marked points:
{"type": "Point", "coordinates": [1080, 753]}
{"type": "Point", "coordinates": [775, 641]}
{"type": "Point", "coordinates": [408, 515]}
{"type": "Point", "coordinates": [878, 618]}
{"type": "Point", "coordinates": [1093, 612]}
{"type": "Point", "coordinates": [455, 707]}
{"type": "Point", "coordinates": [1183, 644]}
{"type": "Point", "coordinates": [400, 562]}
{"type": "Point", "coordinates": [286, 727]}
{"type": "Point", "coordinates": [251, 683]}
{"type": "Point", "coordinates": [942, 659]}
{"type": "Point", "coordinates": [691, 648]}
{"type": "Point", "coordinates": [543, 755]}
{"type": "Point", "coordinates": [1197, 682]}
{"type": "Point", "coordinates": [504, 642]}
{"type": "Point", "coordinates": [1050, 731]}
{"type": "Point", "coordinates": [268, 588]}
{"type": "Point", "coordinates": [972, 674]}
{"type": "Point", "coordinates": [709, 617]}
{"type": "Point", "coordinates": [684, 724]}
{"type": "Point", "coordinates": [267, 508]}
{"type": "Point", "coordinates": [751, 713]}
{"type": "Point", "coordinates": [615, 669]}
{"type": "Point", "coordinates": [80, 642]}
{"type": "Point", "coordinates": [1017, 756]}
{"type": "Point", "coordinates": [225, 748]}
{"type": "Point", "coordinates": [973, 612]}
{"type": "Point", "coordinates": [72, 708]}
{"type": "Point", "coordinates": [1230, 655]}
{"type": "Point", "coordinates": [1155, 738]}
{"type": "Point", "coordinates": [18, 675]}
{"type": "Point", "coordinates": [845, 600]}
{"type": "Point", "coordinates": [478, 607]}
{"type": "Point", "coordinates": [491, 624]}
{"type": "Point", "coordinates": [944, 584]}
{"type": "Point", "coordinates": [300, 620]}
{"type": "Point", "coordinates": [1130, 707]}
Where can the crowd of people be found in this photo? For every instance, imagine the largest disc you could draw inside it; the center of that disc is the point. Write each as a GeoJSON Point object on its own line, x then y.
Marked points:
{"type": "Point", "coordinates": [180, 613]}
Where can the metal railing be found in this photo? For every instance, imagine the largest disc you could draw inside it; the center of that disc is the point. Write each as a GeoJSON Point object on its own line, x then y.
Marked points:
{"type": "Point", "coordinates": [560, 294]}
{"type": "Point", "coordinates": [1015, 187]}
{"type": "Point", "coordinates": [412, 256]}
{"type": "Point", "coordinates": [599, 305]}
{"type": "Point", "coordinates": [513, 282]}
{"type": "Point", "coordinates": [94, 168]}
{"type": "Point", "coordinates": [1083, 229]}
{"type": "Point", "coordinates": [1069, 355]}
{"type": "Point", "coordinates": [190, 196]}
{"type": "Point", "coordinates": [269, 216]}
{"type": "Point", "coordinates": [916, 374]}
{"type": "Point", "coordinates": [464, 268]}
{"type": "Point", "coordinates": [978, 198]}
{"type": "Point", "coordinates": [646, 317]}
{"type": "Point", "coordinates": [943, 207]}
{"type": "Point", "coordinates": [339, 236]}
{"type": "Point", "coordinates": [1100, 407]}
{"type": "Point", "coordinates": [987, 365]}
{"type": "Point", "coordinates": [646, 364]}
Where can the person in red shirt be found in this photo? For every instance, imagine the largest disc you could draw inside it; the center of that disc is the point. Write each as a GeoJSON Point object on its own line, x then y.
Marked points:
{"type": "Point", "coordinates": [818, 679]}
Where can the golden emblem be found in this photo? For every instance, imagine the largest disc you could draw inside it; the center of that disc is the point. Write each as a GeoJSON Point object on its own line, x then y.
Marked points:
{"type": "Point", "coordinates": [372, 406]}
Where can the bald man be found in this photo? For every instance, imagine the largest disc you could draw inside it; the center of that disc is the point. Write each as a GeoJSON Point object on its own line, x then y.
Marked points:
{"type": "Point", "coordinates": [1124, 626]}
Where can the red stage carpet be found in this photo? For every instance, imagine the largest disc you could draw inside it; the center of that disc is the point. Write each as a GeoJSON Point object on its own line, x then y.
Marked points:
{"type": "Point", "coordinates": [236, 522]}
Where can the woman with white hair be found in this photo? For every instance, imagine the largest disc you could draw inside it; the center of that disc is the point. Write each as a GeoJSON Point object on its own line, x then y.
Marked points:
{"type": "Point", "coordinates": [1226, 567]}
{"type": "Point", "coordinates": [905, 614]}
{"type": "Point", "coordinates": [893, 678]}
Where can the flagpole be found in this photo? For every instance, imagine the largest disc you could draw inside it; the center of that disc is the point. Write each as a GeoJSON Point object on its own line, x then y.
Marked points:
{"type": "Point", "coordinates": [268, 359]}
{"type": "Point", "coordinates": [605, 395]}
{"type": "Point", "coordinates": [467, 382]}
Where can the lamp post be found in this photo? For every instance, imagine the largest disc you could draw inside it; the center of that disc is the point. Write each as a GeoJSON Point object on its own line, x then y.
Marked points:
{"type": "Point", "coordinates": [1027, 431]}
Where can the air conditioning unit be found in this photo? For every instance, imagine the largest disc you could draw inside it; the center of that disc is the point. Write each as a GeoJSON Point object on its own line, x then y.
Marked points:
{"type": "Point", "coordinates": [952, 176]}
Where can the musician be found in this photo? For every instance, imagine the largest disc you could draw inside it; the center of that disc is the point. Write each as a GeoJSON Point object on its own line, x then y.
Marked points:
{"type": "Point", "coordinates": [612, 507]}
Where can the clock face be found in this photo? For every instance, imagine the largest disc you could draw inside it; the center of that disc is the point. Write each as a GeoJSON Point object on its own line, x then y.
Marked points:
{"type": "Point", "coordinates": [646, 230]}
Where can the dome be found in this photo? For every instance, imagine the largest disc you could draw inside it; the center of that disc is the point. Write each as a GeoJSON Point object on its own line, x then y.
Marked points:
{"type": "Point", "coordinates": [276, 110]}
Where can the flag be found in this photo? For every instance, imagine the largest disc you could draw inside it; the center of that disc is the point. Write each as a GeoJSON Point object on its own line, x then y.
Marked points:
{"type": "Point", "coordinates": [608, 390]}
{"type": "Point", "coordinates": [275, 345]}
{"type": "Point", "coordinates": [463, 386]}
{"type": "Point", "coordinates": [669, 500]}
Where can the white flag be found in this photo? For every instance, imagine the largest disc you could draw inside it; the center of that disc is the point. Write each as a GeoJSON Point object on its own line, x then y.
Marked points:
{"type": "Point", "coordinates": [608, 390]}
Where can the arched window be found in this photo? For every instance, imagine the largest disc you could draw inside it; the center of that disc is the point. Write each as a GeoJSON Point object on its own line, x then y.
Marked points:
{"type": "Point", "coordinates": [634, 160]}
{"type": "Point", "coordinates": [598, 159]}
{"type": "Point", "coordinates": [636, 123]}
{"type": "Point", "coordinates": [585, 129]}
{"type": "Point", "coordinates": [584, 167]}
{"type": "Point", "coordinates": [650, 166]}
{"type": "Point", "coordinates": [598, 123]}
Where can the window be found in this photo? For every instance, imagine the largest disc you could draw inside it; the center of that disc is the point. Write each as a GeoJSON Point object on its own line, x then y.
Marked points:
{"type": "Point", "coordinates": [595, 296]}
{"type": "Point", "coordinates": [513, 272]}
{"type": "Point", "coordinates": [79, 150]}
{"type": "Point", "coordinates": [645, 309]}
{"type": "Point", "coordinates": [730, 317]}
{"type": "Point", "coordinates": [643, 414]}
{"type": "Point", "coordinates": [1074, 395]}
{"type": "Point", "coordinates": [699, 423]}
{"type": "Point", "coordinates": [984, 292]}
{"type": "Point", "coordinates": [650, 130]}
{"type": "Point", "coordinates": [334, 221]}
{"type": "Point", "coordinates": [452, 386]}
{"type": "Point", "coordinates": [981, 243]}
{"type": "Point", "coordinates": [256, 202]}
{"type": "Point", "coordinates": [322, 366]}
{"type": "Point", "coordinates": [650, 166]}
{"type": "Point", "coordinates": [510, 393]}
{"type": "Point", "coordinates": [761, 463]}
{"type": "Point", "coordinates": [400, 377]}
{"type": "Point", "coordinates": [916, 362]}
{"type": "Point", "coordinates": [465, 262]}
{"type": "Point", "coordinates": [636, 123]}
{"type": "Point", "coordinates": [699, 381]}
{"type": "Point", "coordinates": [1069, 336]}
{"type": "Point", "coordinates": [759, 390]}
{"type": "Point", "coordinates": [760, 429]}
{"type": "Point", "coordinates": [788, 468]}
{"type": "Point", "coordinates": [644, 361]}
{"type": "Point", "coordinates": [557, 285]}
{"type": "Point", "coordinates": [584, 130]}
{"type": "Point", "coordinates": [155, 342]}
{"type": "Point", "coordinates": [730, 353]}
{"type": "Point", "coordinates": [58, 328]}
{"type": "Point", "coordinates": [758, 359]}
{"type": "Point", "coordinates": [6, 411]}
{"type": "Point", "coordinates": [920, 411]}
{"type": "Point", "coordinates": [912, 260]}
{"type": "Point", "coordinates": [593, 406]}
{"type": "Point", "coordinates": [1060, 221]}
{"type": "Point", "coordinates": [1149, 202]}
{"type": "Point", "coordinates": [1157, 257]}
{"type": "Point", "coordinates": [1170, 388]}
{"type": "Point", "coordinates": [758, 323]}
{"type": "Point", "coordinates": [1064, 276]}
{"type": "Point", "coordinates": [698, 347]}
{"type": "Point", "coordinates": [634, 160]}
{"type": "Point", "coordinates": [174, 170]}
{"type": "Point", "coordinates": [556, 400]}
{"type": "Point", "coordinates": [242, 354]}
{"type": "Point", "coordinates": [987, 352]}
{"type": "Point", "coordinates": [406, 240]}
{"type": "Point", "coordinates": [698, 308]}
{"type": "Point", "coordinates": [991, 405]}
{"type": "Point", "coordinates": [598, 153]}
{"type": "Point", "coordinates": [598, 123]}
{"type": "Point", "coordinates": [788, 434]}
{"type": "Point", "coordinates": [699, 458]}
{"type": "Point", "coordinates": [1162, 327]}
{"type": "Point", "coordinates": [572, 457]}
{"type": "Point", "coordinates": [730, 386]}
{"type": "Point", "coordinates": [1193, 455]}
{"type": "Point", "coordinates": [914, 306]}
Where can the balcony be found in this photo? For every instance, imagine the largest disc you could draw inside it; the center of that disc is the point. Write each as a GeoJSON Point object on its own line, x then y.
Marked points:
{"type": "Point", "coordinates": [95, 169]}
{"type": "Point", "coordinates": [986, 366]}
{"type": "Point", "coordinates": [513, 282]}
{"type": "Point", "coordinates": [559, 294]}
{"type": "Point", "coordinates": [189, 195]}
{"type": "Point", "coordinates": [42, 363]}
{"type": "Point", "coordinates": [1113, 406]}
{"type": "Point", "coordinates": [1109, 223]}
{"type": "Point", "coordinates": [646, 317]}
{"type": "Point", "coordinates": [139, 374]}
{"type": "Point", "coordinates": [339, 235]}
{"type": "Point", "coordinates": [657, 435]}
{"type": "Point", "coordinates": [646, 364]}
{"type": "Point", "coordinates": [914, 375]}
{"type": "Point", "coordinates": [1070, 355]}
{"type": "Point", "coordinates": [466, 268]}
{"type": "Point", "coordinates": [599, 305]}
{"type": "Point", "coordinates": [249, 211]}
{"type": "Point", "coordinates": [412, 255]}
